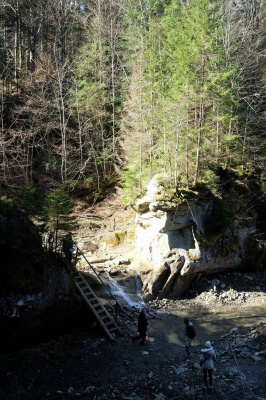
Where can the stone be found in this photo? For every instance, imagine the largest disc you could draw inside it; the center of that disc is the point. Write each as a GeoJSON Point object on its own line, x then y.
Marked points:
{"type": "Point", "coordinates": [88, 246]}
{"type": "Point", "coordinates": [256, 358]}
{"type": "Point", "coordinates": [233, 331]}
{"type": "Point", "coordinates": [160, 396]}
{"type": "Point", "coordinates": [189, 391]}
{"type": "Point", "coordinates": [168, 233]}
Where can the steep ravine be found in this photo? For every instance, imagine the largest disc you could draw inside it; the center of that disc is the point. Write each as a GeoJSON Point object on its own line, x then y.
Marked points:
{"type": "Point", "coordinates": [84, 364]}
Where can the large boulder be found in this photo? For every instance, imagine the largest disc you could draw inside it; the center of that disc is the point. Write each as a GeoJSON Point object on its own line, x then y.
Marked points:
{"type": "Point", "coordinates": [173, 243]}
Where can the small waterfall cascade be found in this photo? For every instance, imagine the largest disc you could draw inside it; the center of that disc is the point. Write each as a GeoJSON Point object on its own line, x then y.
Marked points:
{"type": "Point", "coordinates": [132, 300]}
{"type": "Point", "coordinates": [193, 232]}
{"type": "Point", "coordinates": [138, 286]}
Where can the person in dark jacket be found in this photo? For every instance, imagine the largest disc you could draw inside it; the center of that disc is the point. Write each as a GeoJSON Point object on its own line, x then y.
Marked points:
{"type": "Point", "coordinates": [190, 335]}
{"type": "Point", "coordinates": [67, 245]}
{"type": "Point", "coordinates": [142, 327]}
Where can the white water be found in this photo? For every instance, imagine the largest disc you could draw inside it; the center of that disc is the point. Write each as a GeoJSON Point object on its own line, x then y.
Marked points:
{"type": "Point", "coordinates": [119, 293]}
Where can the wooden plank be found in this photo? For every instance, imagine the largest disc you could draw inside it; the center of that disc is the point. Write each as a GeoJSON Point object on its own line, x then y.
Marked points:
{"type": "Point", "coordinates": [99, 311]}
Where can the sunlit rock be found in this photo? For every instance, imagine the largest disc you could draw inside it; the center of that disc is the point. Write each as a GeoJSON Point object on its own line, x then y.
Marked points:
{"type": "Point", "coordinates": [171, 242]}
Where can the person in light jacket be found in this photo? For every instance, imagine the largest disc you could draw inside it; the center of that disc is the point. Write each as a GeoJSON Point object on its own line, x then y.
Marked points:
{"type": "Point", "coordinates": [207, 355]}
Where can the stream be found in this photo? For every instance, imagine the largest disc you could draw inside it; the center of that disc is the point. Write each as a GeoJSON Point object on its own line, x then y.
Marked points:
{"type": "Point", "coordinates": [131, 300]}
{"type": "Point", "coordinates": [211, 322]}
{"type": "Point", "coordinates": [128, 293]}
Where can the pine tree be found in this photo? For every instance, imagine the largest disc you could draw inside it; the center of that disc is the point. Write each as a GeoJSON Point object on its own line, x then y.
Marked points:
{"type": "Point", "coordinates": [99, 87]}
{"type": "Point", "coordinates": [57, 213]}
{"type": "Point", "coordinates": [189, 94]}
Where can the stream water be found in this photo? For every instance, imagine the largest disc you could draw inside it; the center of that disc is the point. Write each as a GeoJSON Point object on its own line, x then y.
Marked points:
{"type": "Point", "coordinates": [211, 322]}
{"type": "Point", "coordinates": [132, 300]}
{"type": "Point", "coordinates": [129, 294]}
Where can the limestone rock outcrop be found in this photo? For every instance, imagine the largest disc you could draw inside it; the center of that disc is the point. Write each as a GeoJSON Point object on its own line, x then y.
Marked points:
{"type": "Point", "coordinates": [172, 246]}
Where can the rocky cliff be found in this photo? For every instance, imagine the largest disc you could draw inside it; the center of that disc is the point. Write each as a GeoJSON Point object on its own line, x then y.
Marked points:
{"type": "Point", "coordinates": [182, 234]}
{"type": "Point", "coordinates": [36, 297]}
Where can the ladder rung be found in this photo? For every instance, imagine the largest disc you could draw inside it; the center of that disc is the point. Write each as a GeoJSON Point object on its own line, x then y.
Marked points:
{"type": "Point", "coordinates": [106, 320]}
{"type": "Point", "coordinates": [93, 301]}
{"type": "Point", "coordinates": [112, 330]}
{"type": "Point", "coordinates": [90, 294]}
{"type": "Point", "coordinates": [110, 323]}
{"type": "Point", "coordinates": [88, 290]}
{"type": "Point", "coordinates": [98, 308]}
{"type": "Point", "coordinates": [101, 313]}
{"type": "Point", "coordinates": [83, 284]}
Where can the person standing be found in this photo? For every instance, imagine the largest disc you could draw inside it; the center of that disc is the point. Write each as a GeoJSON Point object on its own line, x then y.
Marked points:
{"type": "Point", "coordinates": [207, 355]}
{"type": "Point", "coordinates": [67, 245]}
{"type": "Point", "coordinates": [142, 327]}
{"type": "Point", "coordinates": [190, 335]}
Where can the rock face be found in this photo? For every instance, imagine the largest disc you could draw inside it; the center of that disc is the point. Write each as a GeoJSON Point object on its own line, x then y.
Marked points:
{"type": "Point", "coordinates": [172, 245]}
{"type": "Point", "coordinates": [36, 293]}
{"type": "Point", "coordinates": [43, 308]}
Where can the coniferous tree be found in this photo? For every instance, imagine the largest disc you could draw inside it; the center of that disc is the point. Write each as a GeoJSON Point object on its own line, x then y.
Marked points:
{"type": "Point", "coordinates": [189, 96]}
{"type": "Point", "coordinates": [57, 213]}
{"type": "Point", "coordinates": [99, 88]}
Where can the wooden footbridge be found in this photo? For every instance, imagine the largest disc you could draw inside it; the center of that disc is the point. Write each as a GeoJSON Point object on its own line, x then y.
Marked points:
{"type": "Point", "coordinates": [107, 322]}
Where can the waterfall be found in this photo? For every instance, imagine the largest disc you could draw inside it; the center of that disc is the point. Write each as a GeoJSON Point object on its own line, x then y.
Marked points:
{"type": "Point", "coordinates": [132, 300]}
{"type": "Point", "coordinates": [138, 286]}
{"type": "Point", "coordinates": [190, 209]}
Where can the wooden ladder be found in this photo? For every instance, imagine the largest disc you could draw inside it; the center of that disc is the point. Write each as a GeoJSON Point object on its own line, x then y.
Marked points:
{"type": "Point", "coordinates": [104, 318]}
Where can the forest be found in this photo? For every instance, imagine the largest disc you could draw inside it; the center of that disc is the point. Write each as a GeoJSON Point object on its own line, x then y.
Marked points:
{"type": "Point", "coordinates": [100, 93]}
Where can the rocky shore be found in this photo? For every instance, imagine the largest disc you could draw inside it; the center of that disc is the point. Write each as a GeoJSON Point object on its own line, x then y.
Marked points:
{"type": "Point", "coordinates": [84, 365]}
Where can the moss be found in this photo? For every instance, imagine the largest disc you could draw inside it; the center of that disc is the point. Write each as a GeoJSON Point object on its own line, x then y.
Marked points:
{"type": "Point", "coordinates": [131, 235]}
{"type": "Point", "coordinates": [218, 219]}
{"type": "Point", "coordinates": [167, 196]}
{"type": "Point", "coordinates": [177, 195]}
{"type": "Point", "coordinates": [255, 254]}
{"type": "Point", "coordinates": [121, 236]}
{"type": "Point", "coordinates": [92, 226]}
{"type": "Point", "coordinates": [117, 239]}
{"type": "Point", "coordinates": [209, 240]}
{"type": "Point", "coordinates": [163, 180]}
{"type": "Point", "coordinates": [230, 244]}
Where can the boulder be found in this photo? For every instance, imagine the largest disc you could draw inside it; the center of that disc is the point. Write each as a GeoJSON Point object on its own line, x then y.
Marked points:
{"type": "Point", "coordinates": [172, 244]}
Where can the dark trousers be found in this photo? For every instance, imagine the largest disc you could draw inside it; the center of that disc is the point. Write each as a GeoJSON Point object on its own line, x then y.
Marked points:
{"type": "Point", "coordinates": [142, 336]}
{"type": "Point", "coordinates": [207, 373]}
{"type": "Point", "coordinates": [188, 345]}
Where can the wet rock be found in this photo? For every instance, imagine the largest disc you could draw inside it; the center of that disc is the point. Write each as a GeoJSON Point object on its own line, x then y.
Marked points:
{"type": "Point", "coordinates": [189, 391]}
{"type": "Point", "coordinates": [256, 358]}
{"type": "Point", "coordinates": [160, 396]}
{"type": "Point", "coordinates": [233, 331]}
